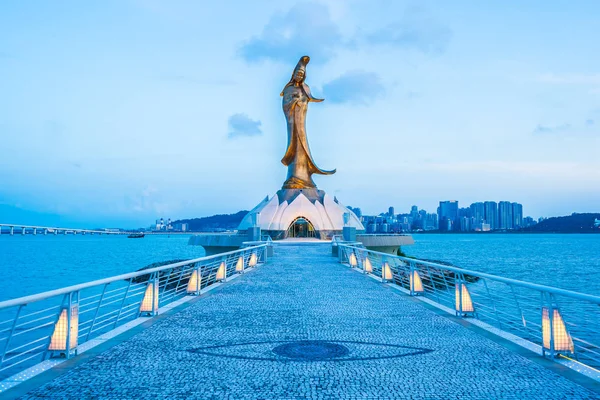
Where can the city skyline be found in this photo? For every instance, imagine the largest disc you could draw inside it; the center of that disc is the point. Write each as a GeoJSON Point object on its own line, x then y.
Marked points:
{"type": "Point", "coordinates": [141, 108]}
{"type": "Point", "coordinates": [450, 217]}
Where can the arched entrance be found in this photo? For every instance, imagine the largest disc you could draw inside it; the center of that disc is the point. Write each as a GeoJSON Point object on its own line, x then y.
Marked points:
{"type": "Point", "coordinates": [301, 228]}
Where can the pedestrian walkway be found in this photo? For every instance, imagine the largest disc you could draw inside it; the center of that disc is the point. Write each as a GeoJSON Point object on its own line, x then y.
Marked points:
{"type": "Point", "coordinates": [304, 326]}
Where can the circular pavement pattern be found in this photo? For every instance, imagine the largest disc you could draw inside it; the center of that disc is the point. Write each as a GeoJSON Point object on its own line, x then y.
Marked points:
{"type": "Point", "coordinates": [311, 350]}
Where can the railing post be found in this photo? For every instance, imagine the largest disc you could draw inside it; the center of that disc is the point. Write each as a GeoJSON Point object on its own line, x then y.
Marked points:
{"type": "Point", "coordinates": [240, 264]}
{"type": "Point", "coordinates": [155, 294]}
{"type": "Point", "coordinates": [149, 304]}
{"type": "Point", "coordinates": [458, 293]}
{"type": "Point", "coordinates": [555, 335]}
{"type": "Point", "coordinates": [464, 304]}
{"type": "Point", "coordinates": [221, 275]}
{"type": "Point", "coordinates": [551, 317]}
{"type": "Point", "coordinates": [411, 271]}
{"type": "Point", "coordinates": [411, 278]}
{"type": "Point", "coordinates": [199, 276]}
{"type": "Point", "coordinates": [67, 324]}
{"type": "Point", "coordinates": [68, 346]}
{"type": "Point", "coordinates": [386, 271]}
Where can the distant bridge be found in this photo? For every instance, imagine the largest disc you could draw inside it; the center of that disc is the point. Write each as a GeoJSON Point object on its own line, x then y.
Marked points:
{"type": "Point", "coordinates": [45, 230]}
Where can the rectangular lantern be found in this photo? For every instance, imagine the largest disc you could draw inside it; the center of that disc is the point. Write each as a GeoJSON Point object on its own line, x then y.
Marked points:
{"type": "Point", "coordinates": [194, 283]}
{"type": "Point", "coordinates": [150, 301]}
{"type": "Point", "coordinates": [416, 285]}
{"type": "Point", "coordinates": [386, 272]}
{"type": "Point", "coordinates": [222, 272]}
{"type": "Point", "coordinates": [253, 260]}
{"type": "Point", "coordinates": [239, 266]}
{"type": "Point", "coordinates": [58, 341]}
{"type": "Point", "coordinates": [367, 267]}
{"type": "Point", "coordinates": [556, 339]}
{"type": "Point", "coordinates": [464, 305]}
{"type": "Point", "coordinates": [352, 260]}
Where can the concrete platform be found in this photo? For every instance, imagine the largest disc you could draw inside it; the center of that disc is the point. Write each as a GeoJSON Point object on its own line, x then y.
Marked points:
{"type": "Point", "coordinates": [215, 243]}
{"type": "Point", "coordinates": [385, 243]}
{"type": "Point", "coordinates": [361, 340]}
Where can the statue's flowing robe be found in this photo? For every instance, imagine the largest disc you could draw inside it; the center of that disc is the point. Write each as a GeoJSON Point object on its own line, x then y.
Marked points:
{"type": "Point", "coordinates": [297, 154]}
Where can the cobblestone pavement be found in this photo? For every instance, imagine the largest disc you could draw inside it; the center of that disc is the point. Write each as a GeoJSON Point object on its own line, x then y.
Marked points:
{"type": "Point", "coordinates": [383, 345]}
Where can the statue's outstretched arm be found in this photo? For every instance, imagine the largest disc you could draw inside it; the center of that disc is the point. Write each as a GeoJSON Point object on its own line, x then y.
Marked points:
{"type": "Point", "coordinates": [309, 94]}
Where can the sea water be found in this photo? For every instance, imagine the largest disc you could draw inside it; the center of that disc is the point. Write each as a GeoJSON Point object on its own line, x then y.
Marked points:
{"type": "Point", "coordinates": [567, 261]}
{"type": "Point", "coordinates": [33, 264]}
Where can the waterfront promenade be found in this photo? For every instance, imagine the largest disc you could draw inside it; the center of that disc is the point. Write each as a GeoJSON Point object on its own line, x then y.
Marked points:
{"type": "Point", "coordinates": [305, 326]}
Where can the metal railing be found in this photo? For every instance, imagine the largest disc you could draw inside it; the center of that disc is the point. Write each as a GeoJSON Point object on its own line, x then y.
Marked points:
{"type": "Point", "coordinates": [35, 328]}
{"type": "Point", "coordinates": [562, 322]}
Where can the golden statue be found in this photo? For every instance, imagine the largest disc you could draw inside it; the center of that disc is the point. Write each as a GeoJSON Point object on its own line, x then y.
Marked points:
{"type": "Point", "coordinates": [301, 166]}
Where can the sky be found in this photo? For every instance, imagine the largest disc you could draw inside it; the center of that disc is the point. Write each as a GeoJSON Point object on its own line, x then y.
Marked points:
{"type": "Point", "coordinates": [116, 113]}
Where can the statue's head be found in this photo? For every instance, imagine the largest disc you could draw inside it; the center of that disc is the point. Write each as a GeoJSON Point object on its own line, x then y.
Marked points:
{"type": "Point", "coordinates": [299, 76]}
{"type": "Point", "coordinates": [300, 71]}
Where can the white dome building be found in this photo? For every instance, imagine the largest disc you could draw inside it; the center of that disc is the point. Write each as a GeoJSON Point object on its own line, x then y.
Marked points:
{"type": "Point", "coordinates": [300, 213]}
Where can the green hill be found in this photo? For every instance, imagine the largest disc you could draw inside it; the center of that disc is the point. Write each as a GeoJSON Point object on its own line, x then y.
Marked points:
{"type": "Point", "coordinates": [574, 223]}
{"type": "Point", "coordinates": [214, 223]}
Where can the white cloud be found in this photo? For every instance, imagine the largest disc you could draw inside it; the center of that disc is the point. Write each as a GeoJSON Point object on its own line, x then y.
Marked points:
{"type": "Point", "coordinates": [242, 125]}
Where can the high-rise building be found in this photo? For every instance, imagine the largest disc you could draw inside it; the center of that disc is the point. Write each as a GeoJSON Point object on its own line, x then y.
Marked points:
{"type": "Point", "coordinates": [517, 214]}
{"type": "Point", "coordinates": [478, 213]}
{"type": "Point", "coordinates": [448, 216]}
{"type": "Point", "coordinates": [465, 224]}
{"type": "Point", "coordinates": [414, 212]}
{"type": "Point", "coordinates": [464, 217]}
{"type": "Point", "coordinates": [490, 209]}
{"type": "Point", "coordinates": [505, 215]}
{"type": "Point", "coordinates": [464, 212]}
{"type": "Point", "coordinates": [433, 221]}
{"type": "Point", "coordinates": [391, 211]}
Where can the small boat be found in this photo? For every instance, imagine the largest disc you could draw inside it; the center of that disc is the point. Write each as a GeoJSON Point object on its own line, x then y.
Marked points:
{"type": "Point", "coordinates": [136, 236]}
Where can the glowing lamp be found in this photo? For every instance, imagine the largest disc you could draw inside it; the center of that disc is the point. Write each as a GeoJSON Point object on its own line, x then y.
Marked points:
{"type": "Point", "coordinates": [194, 283]}
{"type": "Point", "coordinates": [239, 266]}
{"type": "Point", "coordinates": [253, 260]}
{"type": "Point", "coordinates": [367, 267]}
{"type": "Point", "coordinates": [150, 301]}
{"type": "Point", "coordinates": [386, 272]}
{"type": "Point", "coordinates": [557, 338]}
{"type": "Point", "coordinates": [464, 304]}
{"type": "Point", "coordinates": [222, 272]}
{"type": "Point", "coordinates": [352, 260]}
{"type": "Point", "coordinates": [58, 341]}
{"type": "Point", "coordinates": [416, 285]}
